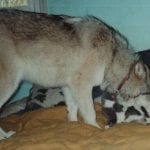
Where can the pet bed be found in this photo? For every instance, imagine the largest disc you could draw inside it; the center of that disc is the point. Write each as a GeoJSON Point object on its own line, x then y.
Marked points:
{"type": "Point", "coordinates": [48, 129]}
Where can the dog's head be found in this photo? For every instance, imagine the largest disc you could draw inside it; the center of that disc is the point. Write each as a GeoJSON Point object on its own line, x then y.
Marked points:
{"type": "Point", "coordinates": [137, 82]}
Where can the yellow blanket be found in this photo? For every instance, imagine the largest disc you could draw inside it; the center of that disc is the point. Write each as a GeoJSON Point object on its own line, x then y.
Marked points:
{"type": "Point", "coordinates": [48, 129]}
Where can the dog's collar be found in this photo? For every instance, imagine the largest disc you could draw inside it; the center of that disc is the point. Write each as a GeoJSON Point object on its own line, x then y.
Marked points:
{"type": "Point", "coordinates": [126, 78]}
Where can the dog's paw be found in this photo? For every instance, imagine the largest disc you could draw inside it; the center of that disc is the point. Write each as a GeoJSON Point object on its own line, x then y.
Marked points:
{"type": "Point", "coordinates": [107, 126]}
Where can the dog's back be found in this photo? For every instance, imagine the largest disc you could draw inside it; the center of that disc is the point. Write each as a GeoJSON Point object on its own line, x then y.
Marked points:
{"type": "Point", "coordinates": [40, 41]}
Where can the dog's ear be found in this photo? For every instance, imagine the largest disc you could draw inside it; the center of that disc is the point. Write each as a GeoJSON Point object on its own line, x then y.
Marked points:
{"type": "Point", "coordinates": [140, 71]}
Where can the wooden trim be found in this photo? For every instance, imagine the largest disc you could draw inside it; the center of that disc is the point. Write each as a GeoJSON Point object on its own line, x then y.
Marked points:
{"type": "Point", "coordinates": [35, 5]}
{"type": "Point", "coordinates": [38, 5]}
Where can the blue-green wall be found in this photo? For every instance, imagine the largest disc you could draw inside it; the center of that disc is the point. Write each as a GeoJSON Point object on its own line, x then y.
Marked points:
{"type": "Point", "coordinates": [23, 91]}
{"type": "Point", "coordinates": [130, 17]}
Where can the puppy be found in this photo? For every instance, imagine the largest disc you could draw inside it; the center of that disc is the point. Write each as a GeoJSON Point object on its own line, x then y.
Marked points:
{"type": "Point", "coordinates": [133, 110]}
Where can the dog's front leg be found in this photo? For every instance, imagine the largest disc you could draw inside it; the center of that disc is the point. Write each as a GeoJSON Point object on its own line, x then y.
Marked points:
{"type": "Point", "coordinates": [83, 98]}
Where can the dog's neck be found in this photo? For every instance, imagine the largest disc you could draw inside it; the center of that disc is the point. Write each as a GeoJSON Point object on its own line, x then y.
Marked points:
{"type": "Point", "coordinates": [117, 77]}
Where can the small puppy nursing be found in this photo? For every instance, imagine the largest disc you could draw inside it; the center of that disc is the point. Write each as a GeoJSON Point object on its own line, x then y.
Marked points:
{"type": "Point", "coordinates": [126, 111]}
{"type": "Point", "coordinates": [71, 52]}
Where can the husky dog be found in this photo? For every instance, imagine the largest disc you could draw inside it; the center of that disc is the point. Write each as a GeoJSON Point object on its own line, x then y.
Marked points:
{"type": "Point", "coordinates": [74, 53]}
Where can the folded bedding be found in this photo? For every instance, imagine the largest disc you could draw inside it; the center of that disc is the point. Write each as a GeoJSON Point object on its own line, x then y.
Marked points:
{"type": "Point", "coordinates": [48, 128]}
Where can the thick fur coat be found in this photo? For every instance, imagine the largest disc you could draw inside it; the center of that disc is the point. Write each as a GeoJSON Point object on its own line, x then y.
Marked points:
{"type": "Point", "coordinates": [72, 52]}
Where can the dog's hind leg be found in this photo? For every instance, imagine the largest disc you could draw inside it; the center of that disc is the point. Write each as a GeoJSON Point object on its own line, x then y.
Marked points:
{"type": "Point", "coordinates": [9, 79]}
